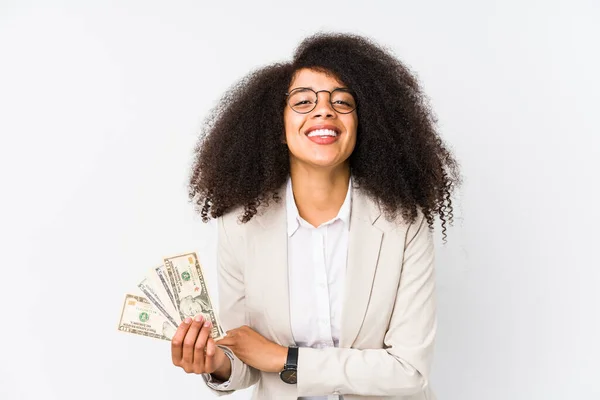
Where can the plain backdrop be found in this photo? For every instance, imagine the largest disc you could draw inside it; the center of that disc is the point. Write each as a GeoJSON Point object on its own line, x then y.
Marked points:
{"type": "Point", "coordinates": [101, 103]}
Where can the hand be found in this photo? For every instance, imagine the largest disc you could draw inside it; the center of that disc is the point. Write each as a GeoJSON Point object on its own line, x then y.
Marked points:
{"type": "Point", "coordinates": [195, 351]}
{"type": "Point", "coordinates": [255, 350]}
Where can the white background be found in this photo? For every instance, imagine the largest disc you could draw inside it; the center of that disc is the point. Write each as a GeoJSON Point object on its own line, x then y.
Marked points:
{"type": "Point", "coordinates": [100, 107]}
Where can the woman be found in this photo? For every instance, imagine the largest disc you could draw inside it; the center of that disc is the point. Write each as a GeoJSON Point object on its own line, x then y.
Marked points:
{"type": "Point", "coordinates": [325, 175]}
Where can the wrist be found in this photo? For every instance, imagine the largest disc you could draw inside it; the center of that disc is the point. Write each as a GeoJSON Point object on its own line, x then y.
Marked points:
{"type": "Point", "coordinates": [223, 370]}
{"type": "Point", "coordinates": [279, 358]}
{"type": "Point", "coordinates": [289, 374]}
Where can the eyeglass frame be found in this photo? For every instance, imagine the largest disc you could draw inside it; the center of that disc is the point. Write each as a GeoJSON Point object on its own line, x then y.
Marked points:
{"type": "Point", "coordinates": [287, 100]}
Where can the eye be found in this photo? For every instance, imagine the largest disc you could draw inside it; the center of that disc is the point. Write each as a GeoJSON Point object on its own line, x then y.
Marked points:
{"type": "Point", "coordinates": [302, 102]}
{"type": "Point", "coordinates": [342, 102]}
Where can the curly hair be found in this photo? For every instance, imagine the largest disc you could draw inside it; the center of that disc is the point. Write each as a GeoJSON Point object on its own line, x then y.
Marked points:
{"type": "Point", "coordinates": [399, 159]}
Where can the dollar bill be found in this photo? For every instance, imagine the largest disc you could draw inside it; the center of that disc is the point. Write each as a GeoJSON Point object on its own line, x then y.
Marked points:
{"type": "Point", "coordinates": [190, 290]}
{"type": "Point", "coordinates": [161, 274]}
{"type": "Point", "coordinates": [139, 316]}
{"type": "Point", "coordinates": [153, 295]}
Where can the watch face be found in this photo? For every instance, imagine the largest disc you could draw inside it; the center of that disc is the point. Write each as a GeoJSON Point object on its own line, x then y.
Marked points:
{"type": "Point", "coordinates": [289, 376]}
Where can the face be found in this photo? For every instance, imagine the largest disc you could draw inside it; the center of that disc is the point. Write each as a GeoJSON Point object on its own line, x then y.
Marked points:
{"type": "Point", "coordinates": [189, 307]}
{"type": "Point", "coordinates": [321, 149]}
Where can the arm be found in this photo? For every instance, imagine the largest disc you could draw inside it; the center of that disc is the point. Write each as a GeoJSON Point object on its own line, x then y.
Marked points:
{"type": "Point", "coordinates": [232, 311]}
{"type": "Point", "coordinates": [402, 367]}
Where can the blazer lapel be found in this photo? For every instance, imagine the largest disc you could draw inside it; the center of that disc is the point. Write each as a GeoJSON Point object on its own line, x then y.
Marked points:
{"type": "Point", "coordinates": [270, 246]}
{"type": "Point", "coordinates": [364, 243]}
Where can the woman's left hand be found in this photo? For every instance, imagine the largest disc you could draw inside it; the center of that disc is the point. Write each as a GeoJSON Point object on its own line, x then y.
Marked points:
{"type": "Point", "coordinates": [254, 349]}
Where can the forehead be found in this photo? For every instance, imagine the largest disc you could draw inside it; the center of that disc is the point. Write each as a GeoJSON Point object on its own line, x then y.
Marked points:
{"type": "Point", "coordinates": [315, 80]}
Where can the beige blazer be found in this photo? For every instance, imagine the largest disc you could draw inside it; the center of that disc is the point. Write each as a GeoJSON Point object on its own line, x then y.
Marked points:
{"type": "Point", "coordinates": [388, 316]}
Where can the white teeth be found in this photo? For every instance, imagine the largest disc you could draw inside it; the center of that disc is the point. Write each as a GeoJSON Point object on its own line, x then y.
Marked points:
{"type": "Point", "coordinates": [322, 132]}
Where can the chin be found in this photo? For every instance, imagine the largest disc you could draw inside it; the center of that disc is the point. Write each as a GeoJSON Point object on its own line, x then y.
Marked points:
{"type": "Point", "coordinates": [312, 160]}
{"type": "Point", "coordinates": [324, 163]}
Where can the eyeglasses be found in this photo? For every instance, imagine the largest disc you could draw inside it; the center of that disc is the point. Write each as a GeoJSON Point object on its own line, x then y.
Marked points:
{"type": "Point", "coordinates": [304, 100]}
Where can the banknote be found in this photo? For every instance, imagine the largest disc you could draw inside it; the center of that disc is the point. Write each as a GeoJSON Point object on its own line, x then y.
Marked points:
{"type": "Point", "coordinates": [161, 274]}
{"type": "Point", "coordinates": [190, 290]}
{"type": "Point", "coordinates": [141, 317]}
{"type": "Point", "coordinates": [151, 292]}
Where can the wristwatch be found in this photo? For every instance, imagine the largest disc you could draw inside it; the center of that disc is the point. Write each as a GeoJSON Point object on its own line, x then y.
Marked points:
{"type": "Point", "coordinates": [290, 369]}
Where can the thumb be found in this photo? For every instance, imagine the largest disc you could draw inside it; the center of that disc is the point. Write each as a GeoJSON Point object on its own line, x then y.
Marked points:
{"type": "Point", "coordinates": [226, 341]}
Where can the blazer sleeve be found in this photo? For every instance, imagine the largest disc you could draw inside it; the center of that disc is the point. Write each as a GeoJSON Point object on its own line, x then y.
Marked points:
{"type": "Point", "coordinates": [402, 367]}
{"type": "Point", "coordinates": [232, 310]}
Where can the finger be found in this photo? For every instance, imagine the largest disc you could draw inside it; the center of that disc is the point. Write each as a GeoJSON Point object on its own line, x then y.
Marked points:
{"type": "Point", "coordinates": [190, 341]}
{"type": "Point", "coordinates": [229, 338]}
{"type": "Point", "coordinates": [177, 341]}
{"type": "Point", "coordinates": [210, 347]}
{"type": "Point", "coordinates": [200, 347]}
{"type": "Point", "coordinates": [227, 341]}
{"type": "Point", "coordinates": [209, 361]}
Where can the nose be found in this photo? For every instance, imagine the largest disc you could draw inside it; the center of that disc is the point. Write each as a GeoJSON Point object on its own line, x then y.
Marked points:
{"type": "Point", "coordinates": [323, 107]}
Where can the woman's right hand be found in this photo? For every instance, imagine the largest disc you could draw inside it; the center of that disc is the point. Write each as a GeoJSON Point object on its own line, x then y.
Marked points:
{"type": "Point", "coordinates": [195, 351]}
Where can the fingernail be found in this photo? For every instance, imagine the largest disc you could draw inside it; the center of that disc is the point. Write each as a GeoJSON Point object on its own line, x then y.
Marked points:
{"type": "Point", "coordinates": [207, 324]}
{"type": "Point", "coordinates": [198, 318]}
{"type": "Point", "coordinates": [187, 320]}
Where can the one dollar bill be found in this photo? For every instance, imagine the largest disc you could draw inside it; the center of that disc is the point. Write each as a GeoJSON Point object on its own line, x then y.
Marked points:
{"type": "Point", "coordinates": [190, 290]}
{"type": "Point", "coordinates": [140, 317]}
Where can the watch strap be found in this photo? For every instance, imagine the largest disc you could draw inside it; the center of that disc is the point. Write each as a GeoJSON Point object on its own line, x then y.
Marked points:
{"type": "Point", "coordinates": [292, 358]}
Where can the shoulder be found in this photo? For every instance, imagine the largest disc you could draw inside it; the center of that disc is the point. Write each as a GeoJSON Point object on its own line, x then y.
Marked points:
{"type": "Point", "coordinates": [367, 206]}
{"type": "Point", "coordinates": [398, 226]}
{"type": "Point", "coordinates": [271, 207]}
{"type": "Point", "coordinates": [231, 223]}
{"type": "Point", "coordinates": [419, 228]}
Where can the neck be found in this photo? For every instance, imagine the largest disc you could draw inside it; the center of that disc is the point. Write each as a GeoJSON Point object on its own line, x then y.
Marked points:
{"type": "Point", "coordinates": [319, 193]}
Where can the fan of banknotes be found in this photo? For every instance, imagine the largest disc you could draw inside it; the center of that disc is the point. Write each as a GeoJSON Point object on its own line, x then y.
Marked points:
{"type": "Point", "coordinates": [168, 294]}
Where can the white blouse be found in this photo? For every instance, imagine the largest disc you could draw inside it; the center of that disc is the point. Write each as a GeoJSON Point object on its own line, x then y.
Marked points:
{"type": "Point", "coordinates": [317, 268]}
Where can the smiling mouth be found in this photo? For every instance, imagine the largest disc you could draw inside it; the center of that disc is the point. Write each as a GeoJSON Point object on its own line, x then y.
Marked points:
{"type": "Point", "coordinates": [323, 133]}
